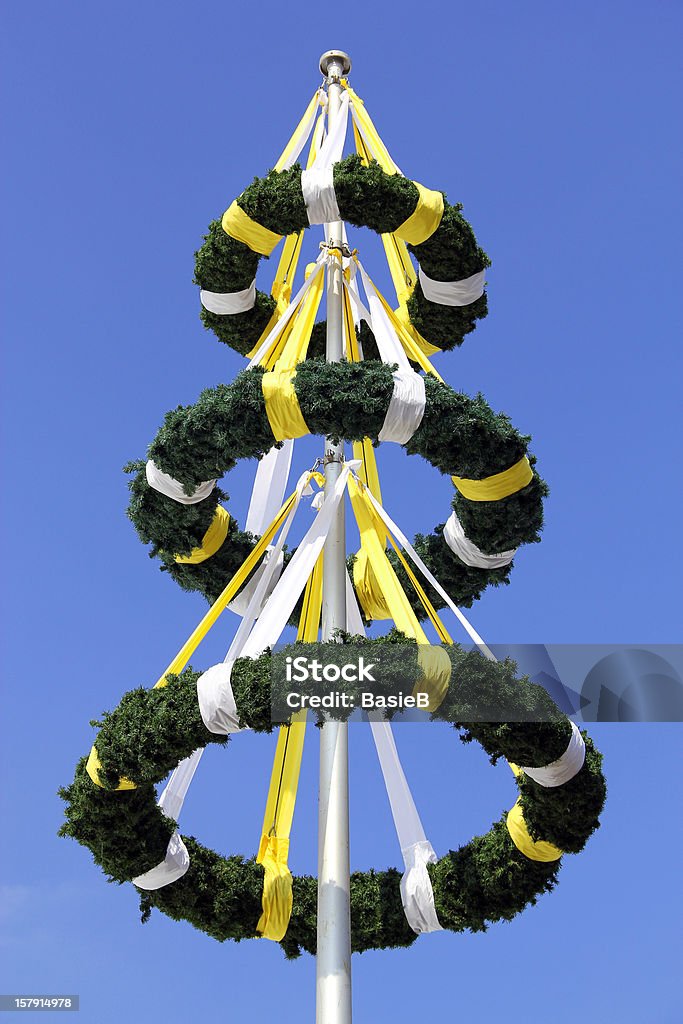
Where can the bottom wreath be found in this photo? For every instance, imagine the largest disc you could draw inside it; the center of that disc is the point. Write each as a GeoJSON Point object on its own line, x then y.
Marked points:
{"type": "Point", "coordinates": [487, 880]}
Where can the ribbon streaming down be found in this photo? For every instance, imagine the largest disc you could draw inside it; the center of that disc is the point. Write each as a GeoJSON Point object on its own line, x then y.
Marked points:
{"type": "Point", "coordinates": [417, 894]}
{"type": "Point", "coordinates": [317, 184]}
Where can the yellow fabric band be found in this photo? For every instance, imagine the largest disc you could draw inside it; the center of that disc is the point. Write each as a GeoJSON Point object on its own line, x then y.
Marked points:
{"type": "Point", "coordinates": [277, 896]}
{"type": "Point", "coordinates": [241, 227]}
{"type": "Point", "coordinates": [500, 485]}
{"type": "Point", "coordinates": [273, 853]}
{"type": "Point", "coordinates": [217, 608]}
{"type": "Point", "coordinates": [93, 766]}
{"type": "Point", "coordinates": [433, 660]}
{"type": "Point", "coordinates": [281, 289]}
{"type": "Point", "coordinates": [436, 674]}
{"type": "Point", "coordinates": [284, 155]}
{"type": "Point", "coordinates": [282, 405]}
{"type": "Point", "coordinates": [519, 834]}
{"type": "Point", "coordinates": [425, 218]}
{"type": "Point", "coordinates": [211, 541]}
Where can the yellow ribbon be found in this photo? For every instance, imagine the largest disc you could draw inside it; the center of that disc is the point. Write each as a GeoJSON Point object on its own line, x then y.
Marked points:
{"type": "Point", "coordinates": [411, 348]}
{"type": "Point", "coordinates": [284, 156]}
{"type": "Point", "coordinates": [239, 225]}
{"type": "Point", "coordinates": [425, 218]}
{"type": "Point", "coordinates": [434, 660]}
{"type": "Point", "coordinates": [217, 608]}
{"type": "Point", "coordinates": [395, 249]}
{"type": "Point", "coordinates": [500, 485]}
{"type": "Point", "coordinates": [211, 541]}
{"type": "Point", "coordinates": [539, 850]}
{"type": "Point", "coordinates": [370, 132]}
{"type": "Point", "coordinates": [281, 289]}
{"type": "Point", "coordinates": [273, 852]}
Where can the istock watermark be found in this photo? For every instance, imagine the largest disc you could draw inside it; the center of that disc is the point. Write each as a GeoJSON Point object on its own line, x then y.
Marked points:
{"type": "Point", "coordinates": [390, 676]}
{"type": "Point", "coordinates": [302, 670]}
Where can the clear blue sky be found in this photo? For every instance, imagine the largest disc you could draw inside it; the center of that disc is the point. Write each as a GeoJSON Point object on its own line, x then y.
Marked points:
{"type": "Point", "coordinates": [127, 128]}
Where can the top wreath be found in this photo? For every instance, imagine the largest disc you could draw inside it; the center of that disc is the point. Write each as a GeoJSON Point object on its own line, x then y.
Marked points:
{"type": "Point", "coordinates": [440, 304]}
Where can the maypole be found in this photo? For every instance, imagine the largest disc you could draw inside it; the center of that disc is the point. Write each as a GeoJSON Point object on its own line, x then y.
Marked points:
{"type": "Point", "coordinates": [376, 385]}
{"type": "Point", "coordinates": [333, 964]}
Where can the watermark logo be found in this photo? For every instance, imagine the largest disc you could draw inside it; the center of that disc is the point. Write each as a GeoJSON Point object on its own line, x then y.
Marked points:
{"type": "Point", "coordinates": [302, 669]}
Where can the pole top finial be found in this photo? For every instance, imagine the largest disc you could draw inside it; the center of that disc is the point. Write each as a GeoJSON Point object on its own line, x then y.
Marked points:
{"type": "Point", "coordinates": [335, 61]}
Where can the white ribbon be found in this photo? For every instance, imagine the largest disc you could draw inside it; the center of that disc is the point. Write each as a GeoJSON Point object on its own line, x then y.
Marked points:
{"type": "Point", "coordinates": [565, 768]}
{"type": "Point", "coordinates": [277, 329]}
{"type": "Point", "coordinates": [218, 710]}
{"type": "Point", "coordinates": [453, 293]}
{"type": "Point", "coordinates": [317, 183]}
{"type": "Point", "coordinates": [407, 546]}
{"type": "Point", "coordinates": [468, 552]}
{"type": "Point", "coordinates": [304, 133]}
{"type": "Point", "coordinates": [269, 488]}
{"type": "Point", "coordinates": [228, 303]}
{"type": "Point", "coordinates": [280, 605]}
{"type": "Point", "coordinates": [177, 859]}
{"type": "Point", "coordinates": [240, 604]}
{"type": "Point", "coordinates": [262, 625]}
{"type": "Point", "coordinates": [408, 398]}
{"type": "Point", "coordinates": [165, 484]}
{"type": "Point", "coordinates": [417, 894]}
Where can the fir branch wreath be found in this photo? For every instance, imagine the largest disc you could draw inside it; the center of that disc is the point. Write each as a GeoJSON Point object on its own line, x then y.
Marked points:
{"type": "Point", "coordinates": [486, 880]}
{"type": "Point", "coordinates": [458, 435]}
{"type": "Point", "coordinates": [367, 197]}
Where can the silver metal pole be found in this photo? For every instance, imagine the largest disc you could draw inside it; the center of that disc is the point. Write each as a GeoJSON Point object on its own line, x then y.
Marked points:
{"type": "Point", "coordinates": [333, 963]}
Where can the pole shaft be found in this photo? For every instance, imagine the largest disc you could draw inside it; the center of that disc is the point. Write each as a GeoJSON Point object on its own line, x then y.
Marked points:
{"type": "Point", "coordinates": [333, 963]}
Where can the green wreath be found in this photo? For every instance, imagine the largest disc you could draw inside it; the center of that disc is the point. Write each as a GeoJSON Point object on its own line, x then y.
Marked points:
{"type": "Point", "coordinates": [367, 197]}
{"type": "Point", "coordinates": [458, 435]}
{"type": "Point", "coordinates": [487, 880]}
{"type": "Point", "coordinates": [498, 506]}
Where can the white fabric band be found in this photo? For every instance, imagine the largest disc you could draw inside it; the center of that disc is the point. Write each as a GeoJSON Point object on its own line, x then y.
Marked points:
{"type": "Point", "coordinates": [165, 484]}
{"type": "Point", "coordinates": [406, 407]}
{"type": "Point", "coordinates": [453, 293]}
{"type": "Point", "coordinates": [317, 185]}
{"type": "Point", "coordinates": [408, 399]}
{"type": "Point", "coordinates": [317, 182]}
{"type": "Point", "coordinates": [468, 552]}
{"type": "Point", "coordinates": [227, 303]}
{"type": "Point", "coordinates": [172, 867]}
{"type": "Point", "coordinates": [565, 768]}
{"type": "Point", "coordinates": [417, 894]}
{"type": "Point", "coordinates": [216, 700]}
{"type": "Point", "coordinates": [177, 859]}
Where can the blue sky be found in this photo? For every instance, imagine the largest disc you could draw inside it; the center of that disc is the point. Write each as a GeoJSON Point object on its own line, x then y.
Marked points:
{"type": "Point", "coordinates": [128, 127]}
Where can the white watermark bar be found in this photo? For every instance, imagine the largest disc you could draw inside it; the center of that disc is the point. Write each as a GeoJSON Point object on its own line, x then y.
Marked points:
{"type": "Point", "coordinates": [525, 683]}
